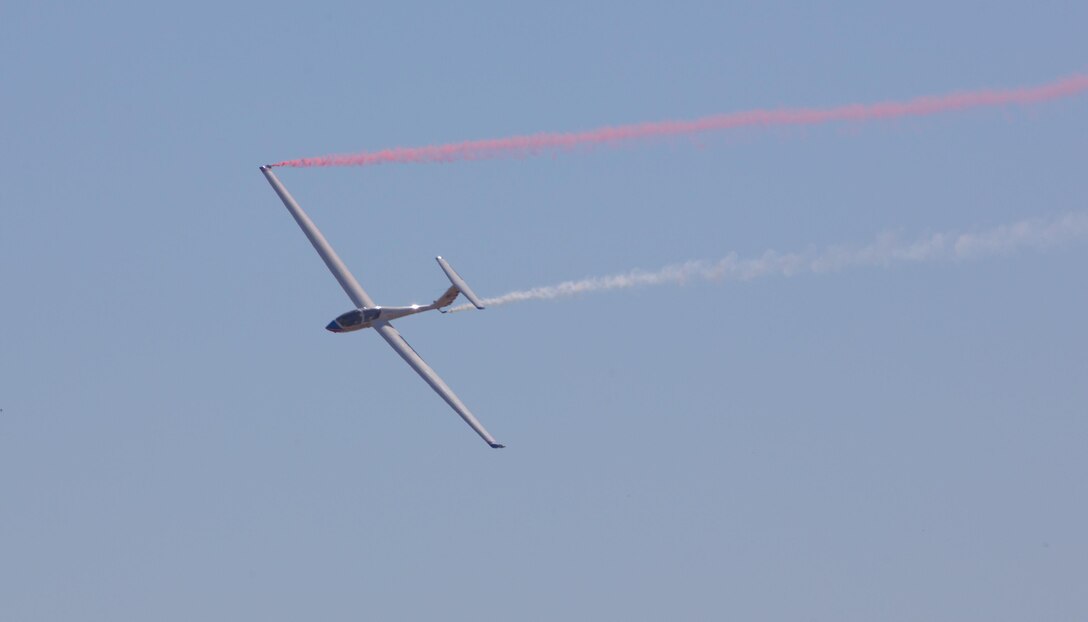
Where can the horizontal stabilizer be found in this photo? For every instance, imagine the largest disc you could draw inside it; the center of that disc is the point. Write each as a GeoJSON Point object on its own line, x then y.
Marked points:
{"type": "Point", "coordinates": [459, 283]}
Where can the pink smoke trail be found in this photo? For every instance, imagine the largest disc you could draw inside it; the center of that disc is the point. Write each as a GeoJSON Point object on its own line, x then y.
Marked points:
{"type": "Point", "coordinates": [536, 144]}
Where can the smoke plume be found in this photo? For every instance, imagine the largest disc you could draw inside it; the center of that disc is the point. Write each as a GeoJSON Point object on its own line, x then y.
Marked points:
{"type": "Point", "coordinates": [536, 144]}
{"type": "Point", "coordinates": [887, 250]}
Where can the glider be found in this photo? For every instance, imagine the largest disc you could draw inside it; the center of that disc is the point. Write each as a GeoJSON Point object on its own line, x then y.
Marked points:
{"type": "Point", "coordinates": [369, 315]}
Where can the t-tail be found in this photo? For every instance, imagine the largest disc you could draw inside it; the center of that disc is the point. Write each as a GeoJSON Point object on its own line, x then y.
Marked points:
{"type": "Point", "coordinates": [458, 285]}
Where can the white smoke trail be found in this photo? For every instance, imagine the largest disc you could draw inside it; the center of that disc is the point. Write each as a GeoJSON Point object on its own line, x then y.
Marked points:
{"type": "Point", "coordinates": [886, 250]}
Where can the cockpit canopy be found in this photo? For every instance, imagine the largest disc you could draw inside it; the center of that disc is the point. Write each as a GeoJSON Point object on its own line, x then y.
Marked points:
{"type": "Point", "coordinates": [351, 318]}
{"type": "Point", "coordinates": [356, 317]}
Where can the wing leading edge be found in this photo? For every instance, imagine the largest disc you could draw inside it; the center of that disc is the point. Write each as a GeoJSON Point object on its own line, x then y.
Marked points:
{"type": "Point", "coordinates": [354, 291]}
{"type": "Point", "coordinates": [359, 296]}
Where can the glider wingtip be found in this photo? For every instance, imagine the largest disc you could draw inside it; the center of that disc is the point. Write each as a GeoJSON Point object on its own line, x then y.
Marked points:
{"type": "Point", "coordinates": [497, 445]}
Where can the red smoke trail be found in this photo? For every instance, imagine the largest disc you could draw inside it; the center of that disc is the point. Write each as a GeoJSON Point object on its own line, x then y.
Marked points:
{"type": "Point", "coordinates": [537, 143]}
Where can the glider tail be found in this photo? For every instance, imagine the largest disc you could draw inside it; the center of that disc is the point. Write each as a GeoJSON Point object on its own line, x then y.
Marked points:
{"type": "Point", "coordinates": [447, 298]}
{"type": "Point", "coordinates": [459, 285]}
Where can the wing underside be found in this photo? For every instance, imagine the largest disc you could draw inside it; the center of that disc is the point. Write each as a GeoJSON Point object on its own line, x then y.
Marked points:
{"type": "Point", "coordinates": [416, 362]}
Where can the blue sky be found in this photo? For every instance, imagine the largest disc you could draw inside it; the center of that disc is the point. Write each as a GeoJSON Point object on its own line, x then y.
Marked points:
{"type": "Point", "coordinates": [181, 439]}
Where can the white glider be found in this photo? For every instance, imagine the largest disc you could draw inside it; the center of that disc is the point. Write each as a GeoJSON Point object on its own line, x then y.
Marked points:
{"type": "Point", "coordinates": [369, 315]}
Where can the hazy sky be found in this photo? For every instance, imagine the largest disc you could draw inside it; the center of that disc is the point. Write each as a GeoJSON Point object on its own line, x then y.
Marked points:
{"type": "Point", "coordinates": [181, 439]}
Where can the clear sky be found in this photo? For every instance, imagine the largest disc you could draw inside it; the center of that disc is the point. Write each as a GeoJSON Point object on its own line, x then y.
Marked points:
{"type": "Point", "coordinates": [182, 440]}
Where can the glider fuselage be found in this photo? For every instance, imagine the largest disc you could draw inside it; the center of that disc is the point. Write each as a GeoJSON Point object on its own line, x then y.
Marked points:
{"type": "Point", "coordinates": [358, 319]}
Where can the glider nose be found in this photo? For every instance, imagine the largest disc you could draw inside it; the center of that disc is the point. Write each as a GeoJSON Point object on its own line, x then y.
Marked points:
{"type": "Point", "coordinates": [334, 327]}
